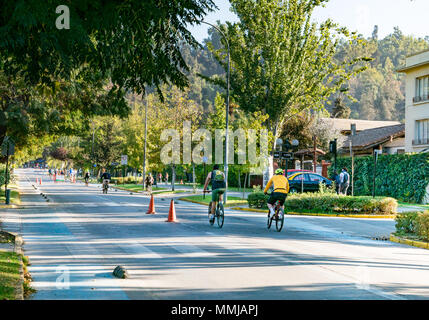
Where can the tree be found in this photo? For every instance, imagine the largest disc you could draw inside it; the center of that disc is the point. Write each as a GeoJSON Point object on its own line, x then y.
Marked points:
{"type": "Point", "coordinates": [340, 109]}
{"type": "Point", "coordinates": [282, 63]}
{"type": "Point", "coordinates": [110, 48]}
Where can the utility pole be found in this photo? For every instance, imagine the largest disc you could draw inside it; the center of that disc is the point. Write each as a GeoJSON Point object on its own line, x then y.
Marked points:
{"type": "Point", "coordinates": [145, 145]}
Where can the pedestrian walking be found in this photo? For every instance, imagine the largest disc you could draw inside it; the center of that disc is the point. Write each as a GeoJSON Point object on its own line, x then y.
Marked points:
{"type": "Point", "coordinates": [166, 177]}
{"type": "Point", "coordinates": [344, 181]}
{"type": "Point", "coordinates": [336, 179]}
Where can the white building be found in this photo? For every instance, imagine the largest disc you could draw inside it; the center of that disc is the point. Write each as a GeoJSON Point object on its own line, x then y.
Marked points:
{"type": "Point", "coordinates": [417, 102]}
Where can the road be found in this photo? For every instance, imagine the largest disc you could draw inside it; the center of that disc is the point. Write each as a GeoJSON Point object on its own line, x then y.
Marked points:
{"type": "Point", "coordinates": [75, 240]}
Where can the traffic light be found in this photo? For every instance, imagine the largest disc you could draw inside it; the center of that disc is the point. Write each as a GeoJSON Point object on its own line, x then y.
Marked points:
{"type": "Point", "coordinates": [333, 146]}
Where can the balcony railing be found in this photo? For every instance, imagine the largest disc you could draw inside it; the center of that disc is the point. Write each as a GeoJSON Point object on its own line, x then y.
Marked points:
{"type": "Point", "coordinates": [421, 98]}
{"type": "Point", "coordinates": [420, 142]}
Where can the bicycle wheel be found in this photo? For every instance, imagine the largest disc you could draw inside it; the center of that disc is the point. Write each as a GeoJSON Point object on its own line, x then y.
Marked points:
{"type": "Point", "coordinates": [211, 221]}
{"type": "Point", "coordinates": [220, 215]}
{"type": "Point", "coordinates": [269, 221]}
{"type": "Point", "coordinates": [280, 220]}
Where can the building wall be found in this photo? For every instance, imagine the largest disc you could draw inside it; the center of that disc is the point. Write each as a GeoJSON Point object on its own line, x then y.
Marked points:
{"type": "Point", "coordinates": [415, 111]}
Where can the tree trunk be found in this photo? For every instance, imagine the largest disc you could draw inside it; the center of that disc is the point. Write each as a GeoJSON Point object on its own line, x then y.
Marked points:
{"type": "Point", "coordinates": [173, 177]}
{"type": "Point", "coordinates": [244, 185]}
{"type": "Point", "coordinates": [269, 169]}
{"type": "Point", "coordinates": [193, 178]}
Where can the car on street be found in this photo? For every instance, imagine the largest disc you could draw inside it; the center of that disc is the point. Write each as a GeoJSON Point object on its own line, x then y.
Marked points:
{"type": "Point", "coordinates": [309, 180]}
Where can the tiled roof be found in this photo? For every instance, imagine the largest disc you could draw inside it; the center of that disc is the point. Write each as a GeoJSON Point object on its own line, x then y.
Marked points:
{"type": "Point", "coordinates": [371, 137]}
{"type": "Point", "coordinates": [344, 124]}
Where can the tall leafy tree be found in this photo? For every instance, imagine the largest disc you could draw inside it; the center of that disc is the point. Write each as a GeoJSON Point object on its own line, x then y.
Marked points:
{"type": "Point", "coordinates": [282, 62]}
{"type": "Point", "coordinates": [131, 44]}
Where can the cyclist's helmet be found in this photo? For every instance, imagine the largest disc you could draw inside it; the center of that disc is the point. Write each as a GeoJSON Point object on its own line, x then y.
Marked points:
{"type": "Point", "coordinates": [279, 171]}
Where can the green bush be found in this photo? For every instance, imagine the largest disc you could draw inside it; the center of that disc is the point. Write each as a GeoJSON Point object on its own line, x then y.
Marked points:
{"type": "Point", "coordinates": [406, 222]}
{"type": "Point", "coordinates": [329, 203]}
{"type": "Point", "coordinates": [403, 176]}
{"type": "Point", "coordinates": [257, 200]}
{"type": "Point", "coordinates": [423, 225]}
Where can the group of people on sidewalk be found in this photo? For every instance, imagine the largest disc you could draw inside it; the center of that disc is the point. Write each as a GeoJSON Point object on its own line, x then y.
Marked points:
{"type": "Point", "coordinates": [342, 181]}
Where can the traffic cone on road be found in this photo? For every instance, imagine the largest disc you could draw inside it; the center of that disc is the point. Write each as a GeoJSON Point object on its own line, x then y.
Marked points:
{"type": "Point", "coordinates": [171, 213]}
{"type": "Point", "coordinates": [40, 181]}
{"type": "Point", "coordinates": [151, 209]}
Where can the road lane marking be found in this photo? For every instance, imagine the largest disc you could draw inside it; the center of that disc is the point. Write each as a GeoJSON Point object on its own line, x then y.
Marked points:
{"type": "Point", "coordinates": [138, 250]}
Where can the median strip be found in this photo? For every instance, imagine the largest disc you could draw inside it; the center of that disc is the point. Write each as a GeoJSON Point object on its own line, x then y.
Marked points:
{"type": "Point", "coordinates": [337, 215]}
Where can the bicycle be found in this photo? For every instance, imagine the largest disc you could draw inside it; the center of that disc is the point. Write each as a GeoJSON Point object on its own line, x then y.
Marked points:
{"type": "Point", "coordinates": [219, 213]}
{"type": "Point", "coordinates": [278, 216]}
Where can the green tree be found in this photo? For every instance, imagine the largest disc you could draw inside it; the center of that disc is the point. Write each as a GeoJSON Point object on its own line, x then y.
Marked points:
{"type": "Point", "coordinates": [282, 63]}
{"type": "Point", "coordinates": [340, 109]}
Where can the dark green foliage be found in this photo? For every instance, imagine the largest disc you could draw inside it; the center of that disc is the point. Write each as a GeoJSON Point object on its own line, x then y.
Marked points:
{"type": "Point", "coordinates": [136, 43]}
{"type": "Point", "coordinates": [406, 222]}
{"type": "Point", "coordinates": [329, 203]}
{"type": "Point", "coordinates": [379, 91]}
{"type": "Point", "coordinates": [423, 225]}
{"type": "Point", "coordinates": [257, 200]}
{"type": "Point", "coordinates": [413, 224]}
{"type": "Point", "coordinates": [404, 176]}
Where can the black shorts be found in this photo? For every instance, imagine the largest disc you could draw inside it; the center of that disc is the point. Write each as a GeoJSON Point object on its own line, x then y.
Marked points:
{"type": "Point", "coordinates": [277, 196]}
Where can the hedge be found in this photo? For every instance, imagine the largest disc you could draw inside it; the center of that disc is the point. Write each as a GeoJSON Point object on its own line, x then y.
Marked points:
{"type": "Point", "coordinates": [413, 224]}
{"type": "Point", "coordinates": [329, 203]}
{"type": "Point", "coordinates": [403, 176]}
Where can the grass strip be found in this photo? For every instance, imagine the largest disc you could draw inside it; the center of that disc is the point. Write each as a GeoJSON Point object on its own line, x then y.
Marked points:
{"type": "Point", "coordinates": [10, 264]}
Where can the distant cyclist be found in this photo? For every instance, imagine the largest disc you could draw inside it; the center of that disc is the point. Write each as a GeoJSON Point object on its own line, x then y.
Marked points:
{"type": "Point", "coordinates": [281, 189]}
{"type": "Point", "coordinates": [86, 177]}
{"type": "Point", "coordinates": [105, 178]}
{"type": "Point", "coordinates": [217, 178]}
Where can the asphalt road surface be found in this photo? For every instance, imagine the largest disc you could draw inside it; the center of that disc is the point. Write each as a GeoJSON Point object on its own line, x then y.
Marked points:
{"type": "Point", "coordinates": [75, 240]}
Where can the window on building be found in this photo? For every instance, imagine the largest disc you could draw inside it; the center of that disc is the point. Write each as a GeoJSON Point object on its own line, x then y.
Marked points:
{"type": "Point", "coordinates": [422, 89]}
{"type": "Point", "coordinates": [422, 132]}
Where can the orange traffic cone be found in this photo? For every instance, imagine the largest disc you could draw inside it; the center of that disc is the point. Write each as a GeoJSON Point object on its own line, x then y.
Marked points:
{"type": "Point", "coordinates": [171, 213]}
{"type": "Point", "coordinates": [151, 209]}
{"type": "Point", "coordinates": [40, 181]}
{"type": "Point", "coordinates": [37, 180]}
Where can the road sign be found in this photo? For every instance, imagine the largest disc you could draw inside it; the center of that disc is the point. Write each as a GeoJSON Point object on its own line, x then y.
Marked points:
{"type": "Point", "coordinates": [124, 160]}
{"type": "Point", "coordinates": [277, 154]}
{"type": "Point", "coordinates": [287, 155]}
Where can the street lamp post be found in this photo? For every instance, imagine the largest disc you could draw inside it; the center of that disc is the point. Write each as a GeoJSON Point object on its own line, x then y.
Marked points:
{"type": "Point", "coordinates": [227, 110]}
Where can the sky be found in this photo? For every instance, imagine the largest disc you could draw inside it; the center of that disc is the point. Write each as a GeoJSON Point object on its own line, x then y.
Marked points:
{"type": "Point", "coordinates": [411, 16]}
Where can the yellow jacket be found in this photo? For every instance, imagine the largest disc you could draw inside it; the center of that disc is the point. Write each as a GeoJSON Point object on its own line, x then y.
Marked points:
{"type": "Point", "coordinates": [281, 184]}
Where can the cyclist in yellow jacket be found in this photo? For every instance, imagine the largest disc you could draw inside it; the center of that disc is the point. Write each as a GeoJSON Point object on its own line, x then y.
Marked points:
{"type": "Point", "coordinates": [281, 189]}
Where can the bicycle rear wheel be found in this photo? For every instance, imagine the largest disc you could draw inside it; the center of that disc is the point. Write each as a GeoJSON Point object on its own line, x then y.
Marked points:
{"type": "Point", "coordinates": [280, 220]}
{"type": "Point", "coordinates": [220, 215]}
{"type": "Point", "coordinates": [211, 221]}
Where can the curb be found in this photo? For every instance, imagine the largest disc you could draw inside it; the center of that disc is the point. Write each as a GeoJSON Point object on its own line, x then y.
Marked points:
{"type": "Point", "coordinates": [414, 243]}
{"type": "Point", "coordinates": [359, 216]}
